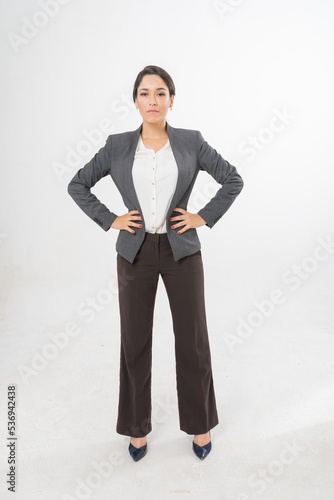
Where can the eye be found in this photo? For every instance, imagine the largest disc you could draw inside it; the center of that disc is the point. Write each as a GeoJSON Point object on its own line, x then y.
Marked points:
{"type": "Point", "coordinates": [143, 94]}
{"type": "Point", "coordinates": [161, 94]}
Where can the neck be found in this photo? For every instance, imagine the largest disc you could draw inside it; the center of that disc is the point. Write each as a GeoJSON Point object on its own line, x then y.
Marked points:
{"type": "Point", "coordinates": [154, 130]}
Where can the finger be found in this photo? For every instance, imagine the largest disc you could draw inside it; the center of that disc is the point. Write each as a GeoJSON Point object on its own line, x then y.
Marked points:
{"type": "Point", "coordinates": [181, 217]}
{"type": "Point", "coordinates": [133, 224]}
{"type": "Point", "coordinates": [179, 210]}
{"type": "Point", "coordinates": [174, 226]}
{"type": "Point", "coordinates": [183, 230]}
{"type": "Point", "coordinates": [177, 217]}
{"type": "Point", "coordinates": [180, 224]}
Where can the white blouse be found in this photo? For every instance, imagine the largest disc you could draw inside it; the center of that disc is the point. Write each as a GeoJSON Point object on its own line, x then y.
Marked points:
{"type": "Point", "coordinates": [154, 177]}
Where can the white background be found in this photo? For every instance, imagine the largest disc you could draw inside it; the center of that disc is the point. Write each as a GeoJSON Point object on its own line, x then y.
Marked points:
{"type": "Point", "coordinates": [236, 65]}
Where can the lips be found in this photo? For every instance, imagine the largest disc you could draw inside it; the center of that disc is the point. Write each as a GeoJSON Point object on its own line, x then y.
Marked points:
{"type": "Point", "coordinates": [153, 111]}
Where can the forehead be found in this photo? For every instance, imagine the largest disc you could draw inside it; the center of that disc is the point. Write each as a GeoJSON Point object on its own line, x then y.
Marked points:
{"type": "Point", "coordinates": [152, 81]}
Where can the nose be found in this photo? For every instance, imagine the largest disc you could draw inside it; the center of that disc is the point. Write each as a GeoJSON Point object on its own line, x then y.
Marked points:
{"type": "Point", "coordinates": [153, 101]}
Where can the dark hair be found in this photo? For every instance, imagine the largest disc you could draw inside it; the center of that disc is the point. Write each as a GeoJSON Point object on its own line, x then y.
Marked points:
{"type": "Point", "coordinates": [154, 70]}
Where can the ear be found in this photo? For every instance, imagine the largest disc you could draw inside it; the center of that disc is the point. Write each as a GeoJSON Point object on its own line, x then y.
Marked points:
{"type": "Point", "coordinates": [136, 103]}
{"type": "Point", "coordinates": [171, 101]}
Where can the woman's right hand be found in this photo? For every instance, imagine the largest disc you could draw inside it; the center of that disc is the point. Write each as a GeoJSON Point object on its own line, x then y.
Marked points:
{"type": "Point", "coordinates": [125, 221]}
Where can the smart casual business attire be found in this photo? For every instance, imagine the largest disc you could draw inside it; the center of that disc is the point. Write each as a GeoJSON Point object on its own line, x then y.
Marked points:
{"type": "Point", "coordinates": [155, 178]}
{"type": "Point", "coordinates": [154, 183]}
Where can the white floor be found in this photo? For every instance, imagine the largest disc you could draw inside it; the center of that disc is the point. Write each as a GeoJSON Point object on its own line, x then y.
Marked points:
{"type": "Point", "coordinates": [274, 390]}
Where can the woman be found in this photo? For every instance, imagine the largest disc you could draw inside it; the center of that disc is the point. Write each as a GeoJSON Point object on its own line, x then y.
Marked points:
{"type": "Point", "coordinates": [155, 168]}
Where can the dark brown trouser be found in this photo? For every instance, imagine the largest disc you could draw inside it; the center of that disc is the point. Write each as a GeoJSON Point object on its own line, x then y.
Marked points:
{"type": "Point", "coordinates": [184, 283]}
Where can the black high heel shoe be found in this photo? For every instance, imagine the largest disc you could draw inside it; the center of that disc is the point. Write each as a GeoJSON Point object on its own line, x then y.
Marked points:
{"type": "Point", "coordinates": [202, 451]}
{"type": "Point", "coordinates": [137, 453]}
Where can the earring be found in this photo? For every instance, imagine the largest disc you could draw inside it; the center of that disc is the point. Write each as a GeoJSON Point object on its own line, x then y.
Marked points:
{"type": "Point", "coordinates": [171, 108]}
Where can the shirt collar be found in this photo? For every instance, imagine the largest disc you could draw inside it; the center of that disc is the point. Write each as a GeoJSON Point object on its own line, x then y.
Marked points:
{"type": "Point", "coordinates": [141, 147]}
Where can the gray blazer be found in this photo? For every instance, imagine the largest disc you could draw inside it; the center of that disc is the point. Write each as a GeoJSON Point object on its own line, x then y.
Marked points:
{"type": "Point", "coordinates": [192, 154]}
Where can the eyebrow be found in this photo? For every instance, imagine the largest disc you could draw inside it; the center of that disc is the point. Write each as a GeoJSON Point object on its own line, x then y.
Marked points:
{"type": "Point", "coordinates": [159, 88]}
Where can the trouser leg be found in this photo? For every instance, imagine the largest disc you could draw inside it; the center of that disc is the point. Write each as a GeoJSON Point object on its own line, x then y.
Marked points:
{"type": "Point", "coordinates": [184, 283]}
{"type": "Point", "coordinates": [137, 284]}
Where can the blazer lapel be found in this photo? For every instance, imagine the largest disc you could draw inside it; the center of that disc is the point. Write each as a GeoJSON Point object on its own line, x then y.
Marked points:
{"type": "Point", "coordinates": [127, 165]}
{"type": "Point", "coordinates": [185, 175]}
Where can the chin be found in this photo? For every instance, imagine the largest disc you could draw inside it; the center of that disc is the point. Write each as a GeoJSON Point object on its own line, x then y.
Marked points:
{"type": "Point", "coordinates": [155, 119]}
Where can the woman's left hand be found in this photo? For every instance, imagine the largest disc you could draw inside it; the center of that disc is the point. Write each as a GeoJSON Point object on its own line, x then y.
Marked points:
{"type": "Point", "coordinates": [186, 220]}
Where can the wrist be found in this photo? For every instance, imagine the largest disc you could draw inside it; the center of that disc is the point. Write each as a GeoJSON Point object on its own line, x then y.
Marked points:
{"type": "Point", "coordinates": [202, 221]}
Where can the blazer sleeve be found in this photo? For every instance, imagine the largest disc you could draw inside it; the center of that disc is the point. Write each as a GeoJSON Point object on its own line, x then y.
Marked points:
{"type": "Point", "coordinates": [80, 187]}
{"type": "Point", "coordinates": [224, 173]}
